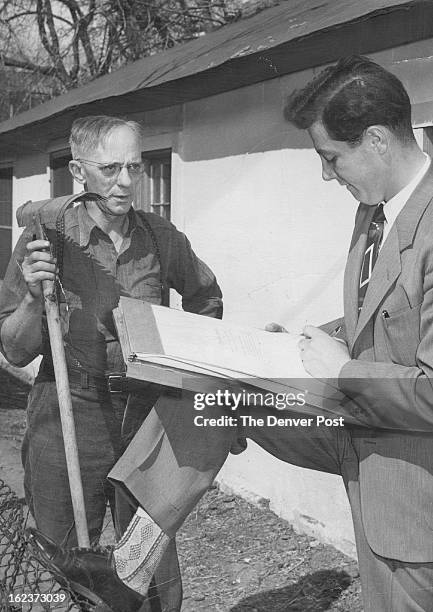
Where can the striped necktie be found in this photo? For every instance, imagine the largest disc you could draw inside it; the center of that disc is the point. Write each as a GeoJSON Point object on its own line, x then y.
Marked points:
{"type": "Point", "coordinates": [374, 240]}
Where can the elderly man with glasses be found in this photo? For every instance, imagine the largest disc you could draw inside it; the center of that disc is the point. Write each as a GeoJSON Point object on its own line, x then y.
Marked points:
{"type": "Point", "coordinates": [110, 249]}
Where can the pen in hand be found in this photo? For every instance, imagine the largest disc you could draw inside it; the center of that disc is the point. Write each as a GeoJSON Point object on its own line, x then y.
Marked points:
{"type": "Point", "coordinates": [335, 332]}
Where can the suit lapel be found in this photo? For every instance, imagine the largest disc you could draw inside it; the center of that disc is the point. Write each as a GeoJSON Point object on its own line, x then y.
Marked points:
{"type": "Point", "coordinates": [353, 268]}
{"type": "Point", "coordinates": [388, 265]}
{"type": "Point", "coordinates": [385, 272]}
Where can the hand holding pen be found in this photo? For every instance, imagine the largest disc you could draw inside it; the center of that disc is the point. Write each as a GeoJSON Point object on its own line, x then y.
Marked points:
{"type": "Point", "coordinates": [335, 332]}
{"type": "Point", "coordinates": [322, 354]}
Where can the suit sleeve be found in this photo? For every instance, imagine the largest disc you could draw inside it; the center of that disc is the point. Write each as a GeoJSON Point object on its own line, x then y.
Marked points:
{"type": "Point", "coordinates": [336, 328]}
{"type": "Point", "coordinates": [391, 395]}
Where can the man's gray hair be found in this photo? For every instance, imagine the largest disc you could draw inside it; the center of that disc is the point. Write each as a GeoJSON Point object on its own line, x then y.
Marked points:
{"type": "Point", "coordinates": [87, 133]}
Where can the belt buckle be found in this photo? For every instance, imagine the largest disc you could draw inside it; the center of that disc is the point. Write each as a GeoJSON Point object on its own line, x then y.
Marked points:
{"type": "Point", "coordinates": [116, 383]}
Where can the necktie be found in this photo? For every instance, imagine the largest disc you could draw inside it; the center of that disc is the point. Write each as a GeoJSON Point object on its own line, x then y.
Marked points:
{"type": "Point", "coordinates": [374, 239]}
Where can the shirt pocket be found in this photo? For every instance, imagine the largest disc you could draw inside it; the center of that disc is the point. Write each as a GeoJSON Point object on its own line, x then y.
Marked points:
{"type": "Point", "coordinates": [141, 279]}
{"type": "Point", "coordinates": [147, 289]}
{"type": "Point", "coordinates": [402, 334]}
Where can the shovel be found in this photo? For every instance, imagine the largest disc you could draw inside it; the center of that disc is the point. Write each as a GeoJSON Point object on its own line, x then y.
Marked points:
{"type": "Point", "coordinates": [65, 403]}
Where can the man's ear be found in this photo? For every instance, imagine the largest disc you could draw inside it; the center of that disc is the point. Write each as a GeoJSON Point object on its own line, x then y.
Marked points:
{"type": "Point", "coordinates": [77, 171]}
{"type": "Point", "coordinates": [378, 138]}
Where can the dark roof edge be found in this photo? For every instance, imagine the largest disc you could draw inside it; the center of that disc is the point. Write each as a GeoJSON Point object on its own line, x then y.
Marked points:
{"type": "Point", "coordinates": [311, 49]}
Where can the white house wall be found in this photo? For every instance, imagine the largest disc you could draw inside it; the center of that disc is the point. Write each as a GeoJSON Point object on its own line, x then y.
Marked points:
{"type": "Point", "coordinates": [31, 182]}
{"type": "Point", "coordinates": [274, 232]}
{"type": "Point", "coordinates": [256, 209]}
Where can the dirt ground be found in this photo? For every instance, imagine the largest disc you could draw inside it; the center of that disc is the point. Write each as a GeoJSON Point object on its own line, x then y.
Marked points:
{"type": "Point", "coordinates": [235, 557]}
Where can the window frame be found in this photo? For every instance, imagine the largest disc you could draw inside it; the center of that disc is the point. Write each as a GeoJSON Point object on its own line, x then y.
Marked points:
{"type": "Point", "coordinates": [146, 190]}
{"type": "Point", "coordinates": [9, 228]}
{"type": "Point", "coordinates": [55, 155]}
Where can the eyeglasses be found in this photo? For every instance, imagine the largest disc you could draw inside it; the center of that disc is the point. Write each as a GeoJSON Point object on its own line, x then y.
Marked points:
{"type": "Point", "coordinates": [113, 169]}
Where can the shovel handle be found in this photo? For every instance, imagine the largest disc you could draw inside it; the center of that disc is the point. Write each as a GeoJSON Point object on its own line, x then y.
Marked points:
{"type": "Point", "coordinates": [65, 404]}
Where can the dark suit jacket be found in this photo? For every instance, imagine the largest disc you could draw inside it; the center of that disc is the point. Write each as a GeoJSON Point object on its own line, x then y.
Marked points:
{"type": "Point", "coordinates": [389, 381]}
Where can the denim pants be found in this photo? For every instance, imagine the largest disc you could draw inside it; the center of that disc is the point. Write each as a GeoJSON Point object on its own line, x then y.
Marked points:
{"type": "Point", "coordinates": [98, 416]}
{"type": "Point", "coordinates": [98, 421]}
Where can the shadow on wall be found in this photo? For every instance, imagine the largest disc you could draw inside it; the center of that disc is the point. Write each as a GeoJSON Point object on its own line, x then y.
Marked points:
{"type": "Point", "coordinates": [244, 121]}
{"type": "Point", "coordinates": [238, 122]}
{"type": "Point", "coordinates": [31, 165]}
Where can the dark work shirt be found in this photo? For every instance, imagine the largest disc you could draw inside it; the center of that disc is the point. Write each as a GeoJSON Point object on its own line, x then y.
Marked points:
{"type": "Point", "coordinates": [95, 275]}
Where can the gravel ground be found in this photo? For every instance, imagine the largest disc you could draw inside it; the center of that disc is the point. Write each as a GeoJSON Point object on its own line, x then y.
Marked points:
{"type": "Point", "coordinates": [240, 558]}
{"type": "Point", "coordinates": [235, 557]}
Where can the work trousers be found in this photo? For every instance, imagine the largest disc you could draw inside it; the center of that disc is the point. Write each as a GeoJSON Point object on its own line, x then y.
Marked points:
{"type": "Point", "coordinates": [177, 461]}
{"type": "Point", "coordinates": [98, 416]}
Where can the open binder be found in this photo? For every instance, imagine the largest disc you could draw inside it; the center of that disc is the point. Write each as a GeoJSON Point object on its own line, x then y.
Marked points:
{"type": "Point", "coordinates": [202, 354]}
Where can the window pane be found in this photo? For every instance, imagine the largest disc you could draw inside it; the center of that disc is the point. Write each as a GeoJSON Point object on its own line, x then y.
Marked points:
{"type": "Point", "coordinates": [154, 191]}
{"type": "Point", "coordinates": [166, 172]}
{"type": "Point", "coordinates": [5, 249]}
{"type": "Point", "coordinates": [61, 178]}
{"type": "Point", "coordinates": [6, 196]}
{"type": "Point", "coordinates": [155, 182]}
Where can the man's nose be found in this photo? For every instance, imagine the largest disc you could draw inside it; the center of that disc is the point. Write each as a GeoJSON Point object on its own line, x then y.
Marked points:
{"type": "Point", "coordinates": [124, 178]}
{"type": "Point", "coordinates": [328, 173]}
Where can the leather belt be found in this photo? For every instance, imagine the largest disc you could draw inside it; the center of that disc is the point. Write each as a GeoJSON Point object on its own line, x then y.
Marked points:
{"type": "Point", "coordinates": [88, 381]}
{"type": "Point", "coordinates": [115, 382]}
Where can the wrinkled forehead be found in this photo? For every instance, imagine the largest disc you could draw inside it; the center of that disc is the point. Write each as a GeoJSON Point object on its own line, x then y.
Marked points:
{"type": "Point", "coordinates": [115, 141]}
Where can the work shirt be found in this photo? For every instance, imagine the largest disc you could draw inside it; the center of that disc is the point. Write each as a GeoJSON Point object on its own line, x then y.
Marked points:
{"type": "Point", "coordinates": [95, 275]}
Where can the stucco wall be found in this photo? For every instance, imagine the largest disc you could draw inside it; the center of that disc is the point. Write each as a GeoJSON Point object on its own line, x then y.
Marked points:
{"type": "Point", "coordinates": [31, 182]}
{"type": "Point", "coordinates": [259, 212]}
{"type": "Point", "coordinates": [254, 205]}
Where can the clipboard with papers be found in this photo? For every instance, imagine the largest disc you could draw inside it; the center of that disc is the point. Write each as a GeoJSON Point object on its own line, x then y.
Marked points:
{"type": "Point", "coordinates": [201, 354]}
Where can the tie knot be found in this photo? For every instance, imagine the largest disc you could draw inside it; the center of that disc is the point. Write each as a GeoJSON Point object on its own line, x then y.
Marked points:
{"type": "Point", "coordinates": [379, 215]}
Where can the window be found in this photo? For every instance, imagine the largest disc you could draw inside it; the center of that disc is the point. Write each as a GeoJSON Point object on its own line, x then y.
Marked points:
{"type": "Point", "coordinates": [5, 218]}
{"type": "Point", "coordinates": [61, 178]}
{"type": "Point", "coordinates": [154, 193]}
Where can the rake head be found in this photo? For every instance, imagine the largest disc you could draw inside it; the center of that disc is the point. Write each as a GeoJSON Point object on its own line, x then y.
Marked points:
{"type": "Point", "coordinates": [26, 584]}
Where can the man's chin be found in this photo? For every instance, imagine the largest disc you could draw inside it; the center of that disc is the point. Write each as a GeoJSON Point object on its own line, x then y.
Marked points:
{"type": "Point", "coordinates": [371, 202]}
{"type": "Point", "coordinates": [358, 196]}
{"type": "Point", "coordinates": [118, 207]}
{"type": "Point", "coordinates": [352, 191]}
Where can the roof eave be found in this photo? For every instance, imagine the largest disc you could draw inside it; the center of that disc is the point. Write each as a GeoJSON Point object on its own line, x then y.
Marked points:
{"type": "Point", "coordinates": [371, 33]}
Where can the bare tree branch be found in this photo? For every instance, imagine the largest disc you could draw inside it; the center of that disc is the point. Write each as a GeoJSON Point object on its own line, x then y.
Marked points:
{"type": "Point", "coordinates": [73, 41]}
{"type": "Point", "coordinates": [51, 41]}
{"type": "Point", "coordinates": [26, 65]}
{"type": "Point", "coordinates": [18, 16]}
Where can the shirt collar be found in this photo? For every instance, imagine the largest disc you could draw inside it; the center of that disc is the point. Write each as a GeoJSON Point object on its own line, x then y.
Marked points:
{"type": "Point", "coordinates": [393, 207]}
{"type": "Point", "coordinates": [86, 223]}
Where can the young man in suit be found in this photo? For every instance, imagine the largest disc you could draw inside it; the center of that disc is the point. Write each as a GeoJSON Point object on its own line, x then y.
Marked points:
{"type": "Point", "coordinates": [359, 118]}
